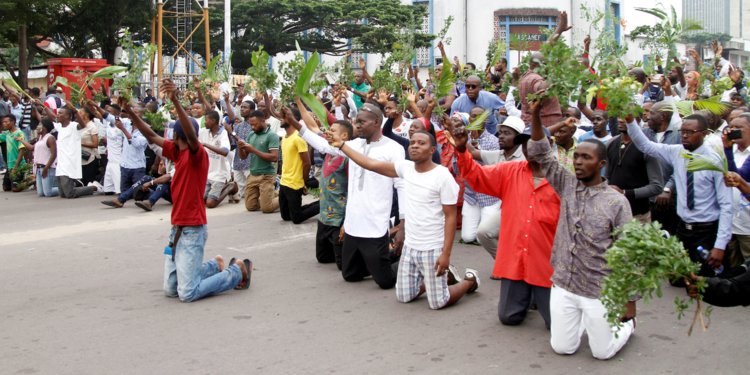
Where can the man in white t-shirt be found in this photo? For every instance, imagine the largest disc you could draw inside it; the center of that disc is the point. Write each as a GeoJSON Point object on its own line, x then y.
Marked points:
{"type": "Point", "coordinates": [431, 195]}
{"type": "Point", "coordinates": [69, 154]}
{"type": "Point", "coordinates": [216, 141]}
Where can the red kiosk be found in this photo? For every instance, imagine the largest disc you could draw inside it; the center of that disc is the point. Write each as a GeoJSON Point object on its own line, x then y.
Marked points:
{"type": "Point", "coordinates": [75, 70]}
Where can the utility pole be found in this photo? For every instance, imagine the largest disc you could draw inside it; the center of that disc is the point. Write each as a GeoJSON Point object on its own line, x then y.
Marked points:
{"type": "Point", "coordinates": [227, 30]}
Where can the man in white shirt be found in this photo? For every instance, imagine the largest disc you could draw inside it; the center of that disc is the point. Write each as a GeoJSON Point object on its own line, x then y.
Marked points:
{"type": "Point", "coordinates": [216, 141]}
{"type": "Point", "coordinates": [431, 195]}
{"type": "Point", "coordinates": [369, 200]}
{"type": "Point", "coordinates": [69, 154]}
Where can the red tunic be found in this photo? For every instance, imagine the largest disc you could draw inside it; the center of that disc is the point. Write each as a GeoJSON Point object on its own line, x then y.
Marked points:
{"type": "Point", "coordinates": [528, 218]}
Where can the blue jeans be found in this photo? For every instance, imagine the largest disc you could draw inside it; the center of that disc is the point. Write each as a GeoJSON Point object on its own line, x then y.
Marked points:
{"type": "Point", "coordinates": [129, 192]}
{"type": "Point", "coordinates": [130, 176]}
{"type": "Point", "coordinates": [46, 186]}
{"type": "Point", "coordinates": [188, 277]}
{"type": "Point", "coordinates": [2, 161]}
{"type": "Point", "coordinates": [160, 191]}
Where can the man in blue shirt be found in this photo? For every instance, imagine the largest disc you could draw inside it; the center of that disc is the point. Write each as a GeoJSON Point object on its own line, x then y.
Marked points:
{"type": "Point", "coordinates": [704, 202]}
{"type": "Point", "coordinates": [475, 96]}
{"type": "Point", "coordinates": [133, 162]}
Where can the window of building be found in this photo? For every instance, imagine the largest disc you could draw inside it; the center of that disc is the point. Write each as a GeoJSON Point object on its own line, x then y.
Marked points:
{"type": "Point", "coordinates": [425, 55]}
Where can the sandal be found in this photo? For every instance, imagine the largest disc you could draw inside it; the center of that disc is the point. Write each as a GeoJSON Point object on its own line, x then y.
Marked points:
{"type": "Point", "coordinates": [245, 283]}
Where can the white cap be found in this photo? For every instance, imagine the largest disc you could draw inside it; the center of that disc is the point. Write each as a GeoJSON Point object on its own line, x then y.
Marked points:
{"type": "Point", "coordinates": [515, 123]}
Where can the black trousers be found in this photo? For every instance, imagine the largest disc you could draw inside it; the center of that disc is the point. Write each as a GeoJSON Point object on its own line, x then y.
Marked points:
{"type": "Point", "coordinates": [89, 172]}
{"type": "Point", "coordinates": [327, 244]}
{"type": "Point", "coordinates": [666, 216]}
{"type": "Point", "coordinates": [515, 298]}
{"type": "Point", "coordinates": [291, 208]}
{"type": "Point", "coordinates": [362, 257]}
{"type": "Point", "coordinates": [702, 234]}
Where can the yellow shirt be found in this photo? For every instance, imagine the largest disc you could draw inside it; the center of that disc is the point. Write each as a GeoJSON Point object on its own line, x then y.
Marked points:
{"type": "Point", "coordinates": [291, 169]}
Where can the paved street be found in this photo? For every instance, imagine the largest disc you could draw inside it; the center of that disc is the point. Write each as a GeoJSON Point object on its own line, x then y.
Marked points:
{"type": "Point", "coordinates": [81, 294]}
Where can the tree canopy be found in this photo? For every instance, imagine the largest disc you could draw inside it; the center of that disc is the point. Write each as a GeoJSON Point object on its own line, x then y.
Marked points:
{"type": "Point", "coordinates": [326, 26]}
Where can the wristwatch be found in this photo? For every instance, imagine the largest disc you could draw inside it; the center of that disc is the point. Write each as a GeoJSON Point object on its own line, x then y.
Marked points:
{"type": "Point", "coordinates": [667, 190]}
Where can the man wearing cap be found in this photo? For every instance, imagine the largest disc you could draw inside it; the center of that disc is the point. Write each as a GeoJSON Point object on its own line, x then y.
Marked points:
{"type": "Point", "coordinates": [529, 222]}
{"type": "Point", "coordinates": [489, 229]}
{"type": "Point", "coordinates": [185, 274]}
{"type": "Point", "coordinates": [368, 207]}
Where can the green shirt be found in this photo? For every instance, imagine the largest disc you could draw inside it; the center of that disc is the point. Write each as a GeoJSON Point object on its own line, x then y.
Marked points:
{"type": "Point", "coordinates": [363, 88]}
{"type": "Point", "coordinates": [13, 146]}
{"type": "Point", "coordinates": [264, 142]}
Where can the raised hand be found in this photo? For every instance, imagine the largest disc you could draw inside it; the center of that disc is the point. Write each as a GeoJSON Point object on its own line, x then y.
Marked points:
{"type": "Point", "coordinates": [460, 137]}
{"type": "Point", "coordinates": [562, 23]}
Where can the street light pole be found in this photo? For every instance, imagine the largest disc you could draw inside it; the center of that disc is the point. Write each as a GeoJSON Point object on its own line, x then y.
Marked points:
{"type": "Point", "coordinates": [227, 30]}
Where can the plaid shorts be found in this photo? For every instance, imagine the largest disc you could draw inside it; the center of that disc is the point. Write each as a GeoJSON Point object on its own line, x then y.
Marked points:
{"type": "Point", "coordinates": [415, 267]}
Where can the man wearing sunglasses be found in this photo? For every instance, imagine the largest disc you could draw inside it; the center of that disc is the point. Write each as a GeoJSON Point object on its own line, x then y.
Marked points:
{"type": "Point", "coordinates": [474, 97]}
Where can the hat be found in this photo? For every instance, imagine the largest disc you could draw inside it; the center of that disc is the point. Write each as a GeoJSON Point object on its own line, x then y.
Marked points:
{"type": "Point", "coordinates": [526, 135]}
{"type": "Point", "coordinates": [179, 133]}
{"type": "Point", "coordinates": [515, 123]}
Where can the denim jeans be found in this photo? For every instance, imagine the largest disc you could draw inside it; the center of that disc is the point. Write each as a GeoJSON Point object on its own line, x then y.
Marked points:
{"type": "Point", "coordinates": [46, 186]}
{"type": "Point", "coordinates": [188, 276]}
{"type": "Point", "coordinates": [160, 191]}
{"type": "Point", "coordinates": [129, 192]}
{"type": "Point", "coordinates": [130, 176]}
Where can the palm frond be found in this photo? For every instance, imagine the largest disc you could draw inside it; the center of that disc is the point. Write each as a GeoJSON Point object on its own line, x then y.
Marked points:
{"type": "Point", "coordinates": [446, 81]}
{"type": "Point", "coordinates": [478, 123]}
{"type": "Point", "coordinates": [688, 107]}
{"type": "Point", "coordinates": [656, 12]}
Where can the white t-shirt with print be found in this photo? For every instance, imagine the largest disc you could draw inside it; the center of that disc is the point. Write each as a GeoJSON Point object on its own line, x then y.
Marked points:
{"type": "Point", "coordinates": [218, 165]}
{"type": "Point", "coordinates": [426, 193]}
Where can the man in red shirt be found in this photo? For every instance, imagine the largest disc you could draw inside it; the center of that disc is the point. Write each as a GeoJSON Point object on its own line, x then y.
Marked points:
{"type": "Point", "coordinates": [528, 224]}
{"type": "Point", "coordinates": [185, 274]}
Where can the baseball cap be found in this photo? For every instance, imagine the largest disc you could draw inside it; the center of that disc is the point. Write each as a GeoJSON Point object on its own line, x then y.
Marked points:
{"type": "Point", "coordinates": [179, 133]}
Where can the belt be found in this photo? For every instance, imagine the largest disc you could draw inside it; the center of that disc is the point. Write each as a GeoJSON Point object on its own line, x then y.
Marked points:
{"type": "Point", "coordinates": [41, 165]}
{"type": "Point", "coordinates": [691, 226]}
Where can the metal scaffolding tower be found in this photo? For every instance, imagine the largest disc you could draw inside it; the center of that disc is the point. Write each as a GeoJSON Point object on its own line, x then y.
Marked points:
{"type": "Point", "coordinates": [180, 37]}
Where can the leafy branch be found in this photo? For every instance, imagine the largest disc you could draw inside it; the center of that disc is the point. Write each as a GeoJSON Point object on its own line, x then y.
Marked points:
{"type": "Point", "coordinates": [641, 259]}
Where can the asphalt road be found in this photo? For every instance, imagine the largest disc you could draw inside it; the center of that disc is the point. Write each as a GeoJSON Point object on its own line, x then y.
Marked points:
{"type": "Point", "coordinates": [81, 294]}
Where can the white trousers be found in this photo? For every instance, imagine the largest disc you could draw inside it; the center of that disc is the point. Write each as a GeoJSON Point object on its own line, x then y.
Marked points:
{"type": "Point", "coordinates": [488, 232]}
{"type": "Point", "coordinates": [473, 216]}
{"type": "Point", "coordinates": [112, 177]}
{"type": "Point", "coordinates": [571, 315]}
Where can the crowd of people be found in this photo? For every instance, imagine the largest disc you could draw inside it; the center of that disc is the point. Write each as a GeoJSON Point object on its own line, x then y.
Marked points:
{"type": "Point", "coordinates": [542, 185]}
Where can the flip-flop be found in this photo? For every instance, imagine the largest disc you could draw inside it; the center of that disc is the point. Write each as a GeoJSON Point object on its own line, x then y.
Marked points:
{"type": "Point", "coordinates": [244, 284]}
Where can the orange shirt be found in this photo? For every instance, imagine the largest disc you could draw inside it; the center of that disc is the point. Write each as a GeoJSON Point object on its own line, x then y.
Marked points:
{"type": "Point", "coordinates": [528, 218]}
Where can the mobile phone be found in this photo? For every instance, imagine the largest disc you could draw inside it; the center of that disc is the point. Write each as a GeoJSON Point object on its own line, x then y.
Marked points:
{"type": "Point", "coordinates": [734, 134]}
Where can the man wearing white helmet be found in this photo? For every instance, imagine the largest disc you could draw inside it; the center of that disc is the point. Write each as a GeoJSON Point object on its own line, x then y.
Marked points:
{"type": "Point", "coordinates": [489, 229]}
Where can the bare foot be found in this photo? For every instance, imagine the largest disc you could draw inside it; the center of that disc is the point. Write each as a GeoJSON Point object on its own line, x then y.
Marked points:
{"type": "Point", "coordinates": [220, 260]}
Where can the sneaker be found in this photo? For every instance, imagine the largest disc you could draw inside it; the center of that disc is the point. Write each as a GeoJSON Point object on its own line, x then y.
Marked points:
{"type": "Point", "coordinates": [2, 171]}
{"type": "Point", "coordinates": [453, 277]}
{"type": "Point", "coordinates": [472, 274]}
{"type": "Point", "coordinates": [145, 205]}
{"type": "Point", "coordinates": [99, 187]}
{"type": "Point", "coordinates": [113, 203]}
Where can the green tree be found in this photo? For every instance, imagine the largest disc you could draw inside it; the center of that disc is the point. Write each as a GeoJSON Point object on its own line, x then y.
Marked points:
{"type": "Point", "coordinates": [95, 25]}
{"type": "Point", "coordinates": [326, 26]}
{"type": "Point", "coordinates": [702, 38]}
{"type": "Point", "coordinates": [664, 34]}
{"type": "Point", "coordinates": [23, 24]}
